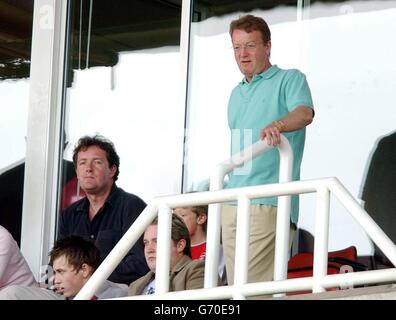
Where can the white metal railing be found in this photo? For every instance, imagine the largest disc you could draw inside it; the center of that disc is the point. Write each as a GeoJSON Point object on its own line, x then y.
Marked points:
{"type": "Point", "coordinates": [317, 283]}
{"type": "Point", "coordinates": [213, 232]}
{"type": "Point", "coordinates": [162, 206]}
{"type": "Point", "coordinates": [243, 222]}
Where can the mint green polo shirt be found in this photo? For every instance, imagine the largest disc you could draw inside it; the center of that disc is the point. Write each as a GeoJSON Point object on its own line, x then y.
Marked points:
{"type": "Point", "coordinates": [252, 106]}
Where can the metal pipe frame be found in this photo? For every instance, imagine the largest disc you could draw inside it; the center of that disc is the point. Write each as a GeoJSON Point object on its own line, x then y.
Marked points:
{"type": "Point", "coordinates": [317, 283]}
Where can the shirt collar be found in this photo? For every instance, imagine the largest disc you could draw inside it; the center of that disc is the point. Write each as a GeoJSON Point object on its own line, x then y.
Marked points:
{"type": "Point", "coordinates": [84, 205]}
{"type": "Point", "coordinates": [267, 74]}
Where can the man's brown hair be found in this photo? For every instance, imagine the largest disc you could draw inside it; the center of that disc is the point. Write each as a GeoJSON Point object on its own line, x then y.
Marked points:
{"type": "Point", "coordinates": [249, 23]}
{"type": "Point", "coordinates": [77, 251]}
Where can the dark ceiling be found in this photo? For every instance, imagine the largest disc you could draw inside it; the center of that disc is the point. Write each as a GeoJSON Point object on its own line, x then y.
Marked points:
{"type": "Point", "coordinates": [117, 25]}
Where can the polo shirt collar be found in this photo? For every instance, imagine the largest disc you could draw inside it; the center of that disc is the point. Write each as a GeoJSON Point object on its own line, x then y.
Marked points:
{"type": "Point", "coordinates": [267, 74]}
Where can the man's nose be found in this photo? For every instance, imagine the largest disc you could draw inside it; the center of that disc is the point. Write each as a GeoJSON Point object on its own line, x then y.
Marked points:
{"type": "Point", "coordinates": [88, 166]}
{"type": "Point", "coordinates": [56, 280]}
{"type": "Point", "coordinates": [151, 247]}
{"type": "Point", "coordinates": [243, 51]}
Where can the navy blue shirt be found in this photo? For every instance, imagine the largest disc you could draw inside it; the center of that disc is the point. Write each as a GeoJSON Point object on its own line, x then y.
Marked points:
{"type": "Point", "coordinates": [107, 227]}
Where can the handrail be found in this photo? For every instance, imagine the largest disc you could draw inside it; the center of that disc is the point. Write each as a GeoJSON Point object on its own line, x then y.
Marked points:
{"type": "Point", "coordinates": [275, 287]}
{"type": "Point", "coordinates": [283, 215]}
{"type": "Point", "coordinates": [317, 283]}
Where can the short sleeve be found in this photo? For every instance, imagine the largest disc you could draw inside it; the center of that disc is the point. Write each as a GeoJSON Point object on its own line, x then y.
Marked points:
{"type": "Point", "coordinates": [297, 92]}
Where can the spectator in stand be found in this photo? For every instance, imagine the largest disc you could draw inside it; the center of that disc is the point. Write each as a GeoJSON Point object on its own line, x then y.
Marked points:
{"type": "Point", "coordinates": [74, 260]}
{"type": "Point", "coordinates": [267, 102]}
{"type": "Point", "coordinates": [107, 211]}
{"type": "Point", "coordinates": [185, 274]}
{"type": "Point", "coordinates": [195, 219]}
{"type": "Point", "coordinates": [14, 269]}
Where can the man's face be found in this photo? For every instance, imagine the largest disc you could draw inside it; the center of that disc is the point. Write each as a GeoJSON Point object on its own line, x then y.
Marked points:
{"type": "Point", "coordinates": [67, 280]}
{"type": "Point", "coordinates": [93, 170]}
{"type": "Point", "coordinates": [150, 248]}
{"type": "Point", "coordinates": [251, 53]}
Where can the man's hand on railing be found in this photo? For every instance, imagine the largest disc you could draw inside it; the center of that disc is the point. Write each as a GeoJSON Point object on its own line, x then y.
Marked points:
{"type": "Point", "coordinates": [272, 133]}
{"type": "Point", "coordinates": [299, 118]}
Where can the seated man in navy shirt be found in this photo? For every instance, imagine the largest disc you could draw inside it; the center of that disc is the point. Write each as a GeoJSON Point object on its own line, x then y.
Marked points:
{"type": "Point", "coordinates": [107, 211]}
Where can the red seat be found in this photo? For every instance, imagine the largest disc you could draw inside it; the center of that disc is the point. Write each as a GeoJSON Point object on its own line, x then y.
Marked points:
{"type": "Point", "coordinates": [301, 265]}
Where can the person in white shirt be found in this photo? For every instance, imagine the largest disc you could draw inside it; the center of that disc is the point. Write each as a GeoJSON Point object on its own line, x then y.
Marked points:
{"type": "Point", "coordinates": [14, 269]}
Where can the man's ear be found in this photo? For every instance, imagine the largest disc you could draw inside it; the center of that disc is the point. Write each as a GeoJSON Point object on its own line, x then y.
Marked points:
{"type": "Point", "coordinates": [113, 169]}
{"type": "Point", "coordinates": [86, 270]}
{"type": "Point", "coordinates": [268, 45]}
{"type": "Point", "coordinates": [181, 244]}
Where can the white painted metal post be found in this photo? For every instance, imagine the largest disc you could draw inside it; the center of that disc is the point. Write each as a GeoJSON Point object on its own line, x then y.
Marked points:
{"type": "Point", "coordinates": [212, 245]}
{"type": "Point", "coordinates": [163, 249]}
{"type": "Point", "coordinates": [283, 213]}
{"type": "Point", "coordinates": [43, 133]}
{"type": "Point", "coordinates": [241, 265]}
{"type": "Point", "coordinates": [213, 231]}
{"type": "Point", "coordinates": [321, 238]}
{"type": "Point", "coordinates": [283, 216]}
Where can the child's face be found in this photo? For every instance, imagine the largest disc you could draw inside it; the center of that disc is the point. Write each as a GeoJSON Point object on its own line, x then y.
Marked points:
{"type": "Point", "coordinates": [190, 218]}
{"type": "Point", "coordinates": [67, 280]}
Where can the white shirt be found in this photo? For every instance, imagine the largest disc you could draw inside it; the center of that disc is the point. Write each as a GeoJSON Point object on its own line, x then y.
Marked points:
{"type": "Point", "coordinates": [150, 288]}
{"type": "Point", "coordinates": [14, 269]}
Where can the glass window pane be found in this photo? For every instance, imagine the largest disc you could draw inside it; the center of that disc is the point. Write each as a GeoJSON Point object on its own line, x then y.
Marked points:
{"type": "Point", "coordinates": [123, 83]}
{"type": "Point", "coordinates": [214, 74]}
{"type": "Point", "coordinates": [346, 50]}
{"type": "Point", "coordinates": [348, 56]}
{"type": "Point", "coordinates": [15, 39]}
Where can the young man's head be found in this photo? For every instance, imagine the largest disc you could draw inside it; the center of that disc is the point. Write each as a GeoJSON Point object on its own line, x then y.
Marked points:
{"type": "Point", "coordinates": [180, 244]}
{"type": "Point", "coordinates": [251, 40]}
{"type": "Point", "coordinates": [195, 219]}
{"type": "Point", "coordinates": [97, 163]}
{"type": "Point", "coordinates": [73, 260]}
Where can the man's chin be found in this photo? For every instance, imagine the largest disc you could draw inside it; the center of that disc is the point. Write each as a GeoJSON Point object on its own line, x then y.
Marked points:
{"type": "Point", "coordinates": [152, 266]}
{"type": "Point", "coordinates": [88, 187]}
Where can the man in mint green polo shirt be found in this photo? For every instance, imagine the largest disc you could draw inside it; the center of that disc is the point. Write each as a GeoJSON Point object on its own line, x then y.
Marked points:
{"type": "Point", "coordinates": [267, 102]}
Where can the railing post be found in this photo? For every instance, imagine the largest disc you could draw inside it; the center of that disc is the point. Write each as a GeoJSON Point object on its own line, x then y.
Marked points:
{"type": "Point", "coordinates": [321, 238]}
{"type": "Point", "coordinates": [283, 213]}
{"type": "Point", "coordinates": [241, 263]}
{"type": "Point", "coordinates": [163, 249]}
{"type": "Point", "coordinates": [213, 233]}
{"type": "Point", "coordinates": [212, 246]}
